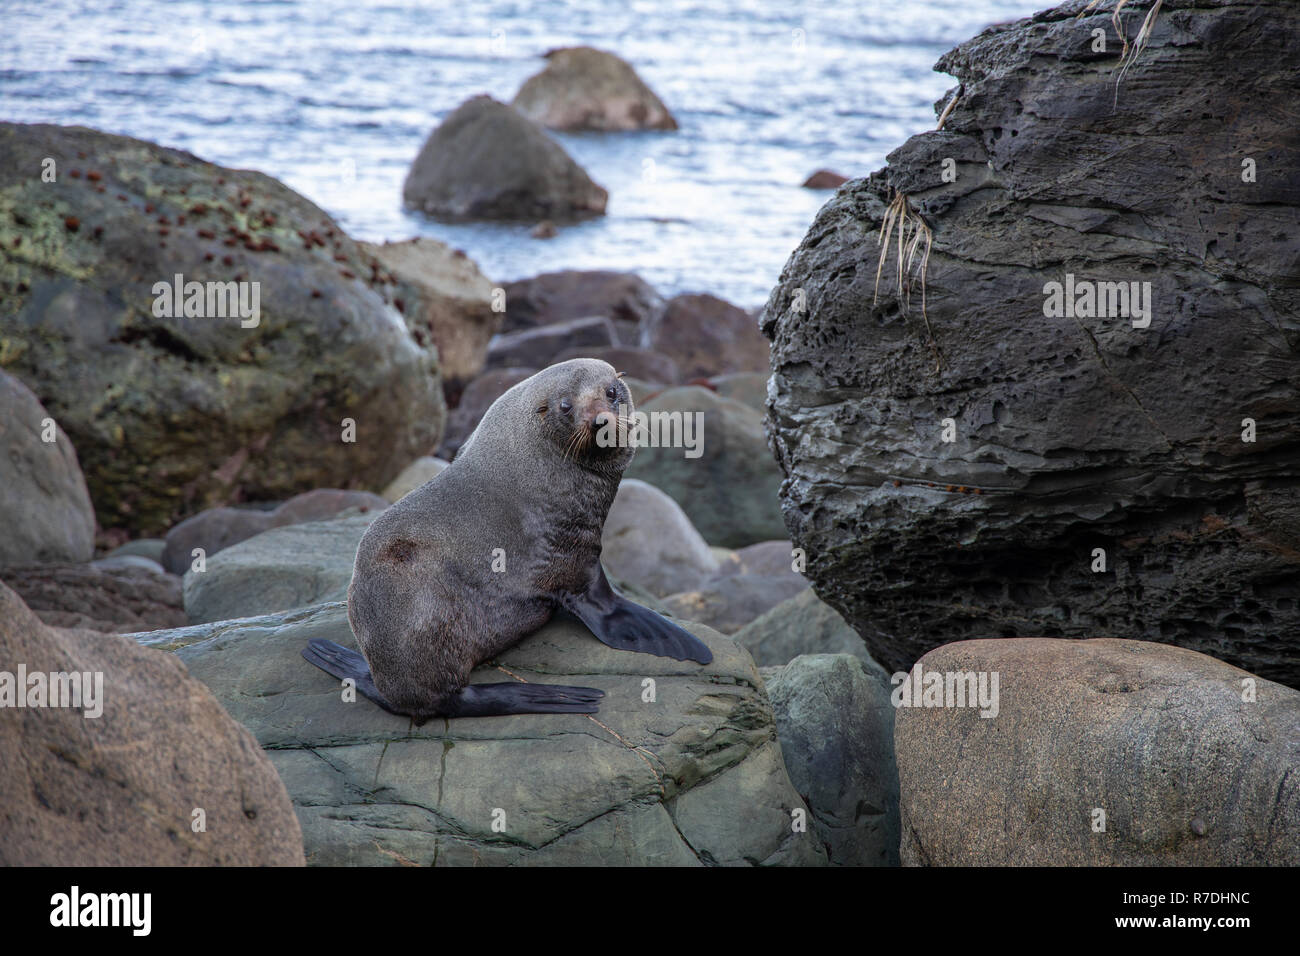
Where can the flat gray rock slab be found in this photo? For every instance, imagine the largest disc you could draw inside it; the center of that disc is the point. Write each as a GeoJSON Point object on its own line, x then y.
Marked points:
{"type": "Point", "coordinates": [680, 767]}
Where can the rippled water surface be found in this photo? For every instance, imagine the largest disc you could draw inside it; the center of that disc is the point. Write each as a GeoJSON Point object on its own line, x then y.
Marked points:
{"type": "Point", "coordinates": [335, 98]}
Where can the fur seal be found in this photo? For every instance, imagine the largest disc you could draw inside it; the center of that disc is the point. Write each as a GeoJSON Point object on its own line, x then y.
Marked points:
{"type": "Point", "coordinates": [429, 598]}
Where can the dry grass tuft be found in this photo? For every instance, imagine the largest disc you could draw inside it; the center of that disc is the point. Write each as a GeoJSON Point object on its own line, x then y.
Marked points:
{"type": "Point", "coordinates": [1128, 56]}
{"type": "Point", "coordinates": [912, 231]}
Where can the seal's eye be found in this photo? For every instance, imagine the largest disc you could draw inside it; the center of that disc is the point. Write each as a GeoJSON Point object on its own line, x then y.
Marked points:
{"type": "Point", "coordinates": [565, 406]}
{"type": "Point", "coordinates": [611, 393]}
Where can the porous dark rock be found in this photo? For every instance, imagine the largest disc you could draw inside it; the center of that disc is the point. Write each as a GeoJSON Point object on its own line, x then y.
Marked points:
{"type": "Point", "coordinates": [127, 786]}
{"type": "Point", "coordinates": [1097, 753]}
{"type": "Point", "coordinates": [174, 413]}
{"type": "Point", "coordinates": [488, 161]}
{"type": "Point", "coordinates": [44, 505]}
{"type": "Point", "coordinates": [1071, 435]}
{"type": "Point", "coordinates": [583, 88]}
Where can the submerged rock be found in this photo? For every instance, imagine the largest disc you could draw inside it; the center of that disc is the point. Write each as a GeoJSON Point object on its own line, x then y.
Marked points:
{"type": "Point", "coordinates": [245, 392]}
{"type": "Point", "coordinates": [1100, 753]}
{"type": "Point", "coordinates": [587, 89]}
{"type": "Point", "coordinates": [124, 787]}
{"type": "Point", "coordinates": [690, 775]}
{"type": "Point", "coordinates": [488, 161]}
{"type": "Point", "coordinates": [987, 464]}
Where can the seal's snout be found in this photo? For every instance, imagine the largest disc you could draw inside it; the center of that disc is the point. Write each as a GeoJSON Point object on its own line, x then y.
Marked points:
{"type": "Point", "coordinates": [604, 419]}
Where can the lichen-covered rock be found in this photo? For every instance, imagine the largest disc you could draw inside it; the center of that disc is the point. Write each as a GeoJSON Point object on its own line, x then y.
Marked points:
{"type": "Point", "coordinates": [691, 774]}
{"type": "Point", "coordinates": [1072, 433]}
{"type": "Point", "coordinates": [488, 161]}
{"type": "Point", "coordinates": [174, 413]}
{"type": "Point", "coordinates": [279, 569]}
{"type": "Point", "coordinates": [44, 504]}
{"type": "Point", "coordinates": [123, 787]}
{"type": "Point", "coordinates": [836, 726]}
{"type": "Point", "coordinates": [1100, 753]}
{"type": "Point", "coordinates": [587, 89]}
{"type": "Point", "coordinates": [445, 298]}
{"type": "Point", "coordinates": [731, 490]}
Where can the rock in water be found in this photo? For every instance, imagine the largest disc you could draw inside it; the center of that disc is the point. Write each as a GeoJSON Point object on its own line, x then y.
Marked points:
{"type": "Point", "coordinates": [1096, 480]}
{"type": "Point", "coordinates": [487, 161]}
{"type": "Point", "coordinates": [44, 504]}
{"type": "Point", "coordinates": [176, 410]}
{"type": "Point", "coordinates": [1191, 761]}
{"type": "Point", "coordinates": [446, 300]}
{"type": "Point", "coordinates": [587, 89]}
{"type": "Point", "coordinates": [122, 788]}
{"type": "Point", "coordinates": [706, 783]}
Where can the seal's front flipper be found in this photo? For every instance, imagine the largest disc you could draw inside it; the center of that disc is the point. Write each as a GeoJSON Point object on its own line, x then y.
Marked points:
{"type": "Point", "coordinates": [495, 700]}
{"type": "Point", "coordinates": [337, 661]}
{"type": "Point", "coordinates": [619, 623]}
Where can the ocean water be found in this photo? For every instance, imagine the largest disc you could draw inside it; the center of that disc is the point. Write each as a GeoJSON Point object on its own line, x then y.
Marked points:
{"type": "Point", "coordinates": [335, 98]}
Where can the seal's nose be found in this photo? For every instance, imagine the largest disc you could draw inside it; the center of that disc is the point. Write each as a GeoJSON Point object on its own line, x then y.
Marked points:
{"type": "Point", "coordinates": [605, 420]}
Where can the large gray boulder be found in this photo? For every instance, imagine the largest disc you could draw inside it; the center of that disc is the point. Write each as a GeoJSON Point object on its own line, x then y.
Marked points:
{"type": "Point", "coordinates": [692, 776]}
{"type": "Point", "coordinates": [836, 726]}
{"type": "Point", "coordinates": [488, 161]}
{"type": "Point", "coordinates": [649, 541]}
{"type": "Point", "coordinates": [583, 88]}
{"type": "Point", "coordinates": [1099, 753]}
{"type": "Point", "coordinates": [279, 569]}
{"type": "Point", "coordinates": [149, 770]}
{"type": "Point", "coordinates": [174, 413]}
{"type": "Point", "coordinates": [730, 491]}
{"type": "Point", "coordinates": [47, 513]}
{"type": "Point", "coordinates": [1070, 433]}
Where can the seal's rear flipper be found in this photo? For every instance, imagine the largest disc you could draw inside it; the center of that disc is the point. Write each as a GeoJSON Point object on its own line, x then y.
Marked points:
{"type": "Point", "coordinates": [337, 661]}
{"type": "Point", "coordinates": [475, 700]}
{"type": "Point", "coordinates": [619, 623]}
{"type": "Point", "coordinates": [495, 700]}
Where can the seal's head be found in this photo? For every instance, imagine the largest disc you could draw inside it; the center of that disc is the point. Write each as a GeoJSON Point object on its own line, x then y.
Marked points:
{"type": "Point", "coordinates": [583, 408]}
